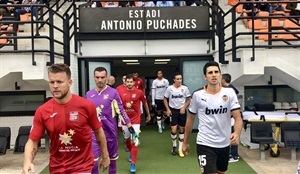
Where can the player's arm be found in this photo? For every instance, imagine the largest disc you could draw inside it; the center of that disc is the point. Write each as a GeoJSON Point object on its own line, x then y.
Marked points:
{"type": "Point", "coordinates": [145, 104]}
{"type": "Point", "coordinates": [147, 111]}
{"type": "Point", "coordinates": [30, 151]}
{"type": "Point", "coordinates": [188, 126]}
{"type": "Point", "coordinates": [31, 146]}
{"type": "Point", "coordinates": [153, 94]}
{"type": "Point", "coordinates": [188, 129]}
{"type": "Point", "coordinates": [101, 140]}
{"type": "Point", "coordinates": [143, 87]}
{"type": "Point", "coordinates": [169, 113]}
{"type": "Point", "coordinates": [119, 109]}
{"type": "Point", "coordinates": [187, 103]}
{"type": "Point", "coordinates": [238, 124]}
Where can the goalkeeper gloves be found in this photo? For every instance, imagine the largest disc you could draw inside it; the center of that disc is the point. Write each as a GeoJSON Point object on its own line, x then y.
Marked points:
{"type": "Point", "coordinates": [134, 136]}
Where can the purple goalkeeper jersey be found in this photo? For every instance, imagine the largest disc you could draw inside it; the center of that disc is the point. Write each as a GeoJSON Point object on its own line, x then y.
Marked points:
{"type": "Point", "coordinates": [108, 106]}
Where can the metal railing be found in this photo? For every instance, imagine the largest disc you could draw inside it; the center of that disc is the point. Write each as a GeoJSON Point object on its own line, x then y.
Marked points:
{"type": "Point", "coordinates": [271, 32]}
{"type": "Point", "coordinates": [57, 37]}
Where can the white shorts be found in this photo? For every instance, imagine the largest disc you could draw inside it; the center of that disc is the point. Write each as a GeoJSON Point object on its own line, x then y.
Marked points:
{"type": "Point", "coordinates": [126, 132]}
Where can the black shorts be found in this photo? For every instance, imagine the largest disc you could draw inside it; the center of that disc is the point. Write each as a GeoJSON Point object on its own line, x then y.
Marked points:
{"type": "Point", "coordinates": [212, 159]}
{"type": "Point", "coordinates": [177, 118]}
{"type": "Point", "coordinates": [160, 105]}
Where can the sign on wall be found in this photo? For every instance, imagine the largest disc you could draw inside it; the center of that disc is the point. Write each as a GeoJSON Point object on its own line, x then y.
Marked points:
{"type": "Point", "coordinates": [149, 19]}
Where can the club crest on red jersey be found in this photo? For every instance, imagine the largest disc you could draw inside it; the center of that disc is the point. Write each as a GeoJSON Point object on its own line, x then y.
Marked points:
{"type": "Point", "coordinates": [74, 116]}
{"type": "Point", "coordinates": [225, 98]}
{"type": "Point", "coordinates": [129, 104]}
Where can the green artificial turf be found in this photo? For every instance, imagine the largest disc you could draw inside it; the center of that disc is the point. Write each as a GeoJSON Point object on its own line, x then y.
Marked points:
{"type": "Point", "coordinates": [154, 156]}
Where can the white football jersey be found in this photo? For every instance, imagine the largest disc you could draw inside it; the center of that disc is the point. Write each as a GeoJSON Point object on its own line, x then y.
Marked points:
{"type": "Point", "coordinates": [159, 88]}
{"type": "Point", "coordinates": [177, 96]}
{"type": "Point", "coordinates": [214, 113]}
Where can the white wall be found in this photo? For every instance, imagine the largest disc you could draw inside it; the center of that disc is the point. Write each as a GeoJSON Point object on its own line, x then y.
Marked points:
{"type": "Point", "coordinates": [144, 47]}
{"type": "Point", "coordinates": [14, 123]}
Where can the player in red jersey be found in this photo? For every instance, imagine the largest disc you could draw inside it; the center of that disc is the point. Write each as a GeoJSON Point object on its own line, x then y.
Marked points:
{"type": "Point", "coordinates": [68, 120]}
{"type": "Point", "coordinates": [131, 99]}
{"type": "Point", "coordinates": [138, 82]}
{"type": "Point", "coordinates": [122, 87]}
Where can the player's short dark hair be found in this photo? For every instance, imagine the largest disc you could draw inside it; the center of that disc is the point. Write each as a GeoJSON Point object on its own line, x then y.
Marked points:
{"type": "Point", "coordinates": [99, 69]}
{"type": "Point", "coordinates": [129, 76]}
{"type": "Point", "coordinates": [210, 63]}
{"type": "Point", "coordinates": [176, 74]}
{"type": "Point", "coordinates": [158, 71]}
{"type": "Point", "coordinates": [60, 67]}
{"type": "Point", "coordinates": [226, 77]}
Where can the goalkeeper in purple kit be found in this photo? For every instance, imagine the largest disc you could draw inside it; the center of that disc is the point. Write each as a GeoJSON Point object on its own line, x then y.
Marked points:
{"type": "Point", "coordinates": [108, 106]}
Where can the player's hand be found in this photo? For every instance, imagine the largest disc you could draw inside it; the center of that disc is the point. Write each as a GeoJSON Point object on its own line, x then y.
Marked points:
{"type": "Point", "coordinates": [134, 136]}
{"type": "Point", "coordinates": [148, 118]}
{"type": "Point", "coordinates": [28, 167]}
{"type": "Point", "coordinates": [182, 111]}
{"type": "Point", "coordinates": [153, 105]}
{"type": "Point", "coordinates": [104, 163]}
{"type": "Point", "coordinates": [185, 149]}
{"type": "Point", "coordinates": [234, 139]}
{"type": "Point", "coordinates": [135, 139]}
{"type": "Point", "coordinates": [169, 113]}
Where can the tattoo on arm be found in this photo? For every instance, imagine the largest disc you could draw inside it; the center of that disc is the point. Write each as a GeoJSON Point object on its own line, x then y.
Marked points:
{"type": "Point", "coordinates": [99, 142]}
{"type": "Point", "coordinates": [33, 152]}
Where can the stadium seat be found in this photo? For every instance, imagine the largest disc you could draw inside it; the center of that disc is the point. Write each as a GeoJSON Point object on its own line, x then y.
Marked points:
{"type": "Point", "coordinates": [25, 17]}
{"type": "Point", "coordinates": [258, 24]}
{"type": "Point", "coordinates": [263, 13]}
{"type": "Point", "coordinates": [239, 9]}
{"type": "Point", "coordinates": [261, 133]}
{"type": "Point", "coordinates": [20, 143]}
{"type": "Point", "coordinates": [289, 24]}
{"type": "Point", "coordinates": [232, 2]}
{"type": "Point", "coordinates": [5, 131]}
{"type": "Point", "coordinates": [290, 27]}
{"type": "Point", "coordinates": [265, 37]}
{"type": "Point", "coordinates": [281, 13]}
{"type": "Point", "coordinates": [3, 144]}
{"type": "Point", "coordinates": [22, 138]}
{"type": "Point", "coordinates": [289, 126]}
{"type": "Point", "coordinates": [274, 23]}
{"type": "Point", "coordinates": [290, 135]}
{"type": "Point", "coordinates": [3, 41]}
{"type": "Point", "coordinates": [287, 36]}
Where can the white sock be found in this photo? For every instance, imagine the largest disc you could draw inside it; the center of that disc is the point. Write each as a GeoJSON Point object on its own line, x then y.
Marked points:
{"type": "Point", "coordinates": [159, 124]}
{"type": "Point", "coordinates": [174, 138]}
{"type": "Point", "coordinates": [180, 138]}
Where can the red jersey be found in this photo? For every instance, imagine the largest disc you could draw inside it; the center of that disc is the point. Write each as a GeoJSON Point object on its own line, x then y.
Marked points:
{"type": "Point", "coordinates": [121, 88]}
{"type": "Point", "coordinates": [69, 128]}
{"type": "Point", "coordinates": [131, 100]}
{"type": "Point", "coordinates": [139, 84]}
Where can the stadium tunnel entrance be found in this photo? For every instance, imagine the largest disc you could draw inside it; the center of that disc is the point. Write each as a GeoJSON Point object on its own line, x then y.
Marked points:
{"type": "Point", "coordinates": [190, 67]}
